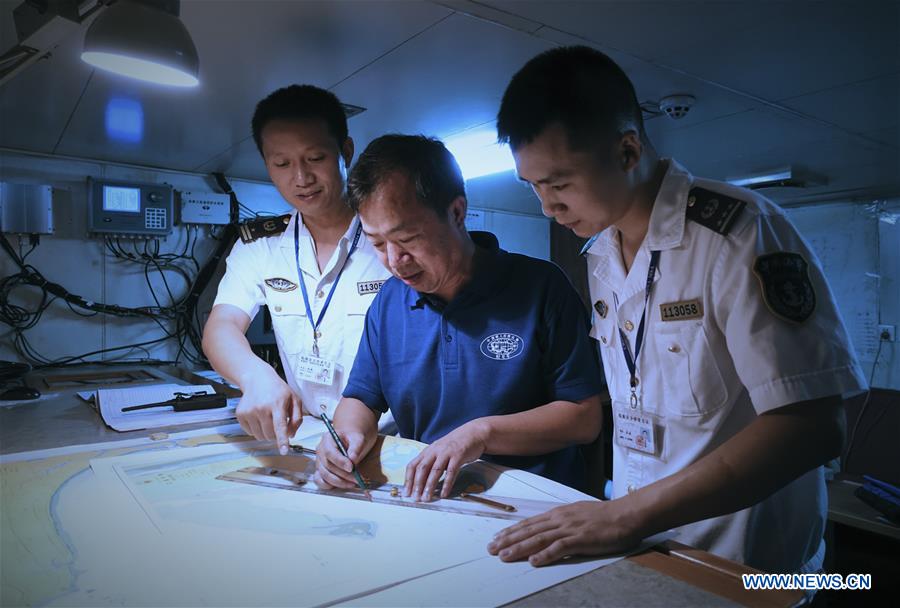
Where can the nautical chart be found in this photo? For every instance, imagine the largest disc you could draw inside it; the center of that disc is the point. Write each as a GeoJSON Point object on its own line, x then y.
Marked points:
{"type": "Point", "coordinates": [45, 500]}
{"type": "Point", "coordinates": [150, 523]}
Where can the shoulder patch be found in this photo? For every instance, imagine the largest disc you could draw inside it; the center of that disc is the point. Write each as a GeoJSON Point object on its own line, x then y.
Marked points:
{"type": "Point", "coordinates": [252, 230]}
{"type": "Point", "coordinates": [712, 210]}
{"type": "Point", "coordinates": [787, 289]}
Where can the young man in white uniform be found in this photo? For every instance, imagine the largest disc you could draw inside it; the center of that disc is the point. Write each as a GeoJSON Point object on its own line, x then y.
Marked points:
{"type": "Point", "coordinates": [313, 268]}
{"type": "Point", "coordinates": [723, 350]}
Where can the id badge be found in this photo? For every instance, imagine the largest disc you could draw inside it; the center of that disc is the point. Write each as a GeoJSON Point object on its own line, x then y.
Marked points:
{"type": "Point", "coordinates": [314, 369]}
{"type": "Point", "coordinates": [637, 430]}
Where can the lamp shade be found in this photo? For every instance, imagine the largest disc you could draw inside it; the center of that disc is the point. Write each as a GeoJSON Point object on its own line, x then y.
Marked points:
{"type": "Point", "coordinates": [144, 42]}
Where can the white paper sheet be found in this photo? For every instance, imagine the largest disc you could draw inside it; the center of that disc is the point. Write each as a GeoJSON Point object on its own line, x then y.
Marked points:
{"type": "Point", "coordinates": [488, 582]}
{"type": "Point", "coordinates": [343, 551]}
{"type": "Point", "coordinates": [111, 402]}
{"type": "Point", "coordinates": [232, 544]}
{"type": "Point", "coordinates": [325, 547]}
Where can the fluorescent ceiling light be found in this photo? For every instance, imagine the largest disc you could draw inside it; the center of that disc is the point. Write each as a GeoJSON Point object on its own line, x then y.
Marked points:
{"type": "Point", "coordinates": [143, 39]}
{"type": "Point", "coordinates": [478, 153]}
{"type": "Point", "coordinates": [776, 177]}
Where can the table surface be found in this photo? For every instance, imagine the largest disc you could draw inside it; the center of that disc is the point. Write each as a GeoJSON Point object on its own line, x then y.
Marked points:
{"type": "Point", "coordinates": [667, 575]}
{"type": "Point", "coordinates": [847, 509]}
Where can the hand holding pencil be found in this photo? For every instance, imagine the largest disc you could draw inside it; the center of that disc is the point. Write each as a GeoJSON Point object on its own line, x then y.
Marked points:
{"type": "Point", "coordinates": [341, 448]}
{"type": "Point", "coordinates": [340, 445]}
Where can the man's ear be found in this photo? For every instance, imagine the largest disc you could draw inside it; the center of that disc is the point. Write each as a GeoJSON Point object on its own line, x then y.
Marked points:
{"type": "Point", "coordinates": [347, 151]}
{"type": "Point", "coordinates": [630, 150]}
{"type": "Point", "coordinates": [456, 213]}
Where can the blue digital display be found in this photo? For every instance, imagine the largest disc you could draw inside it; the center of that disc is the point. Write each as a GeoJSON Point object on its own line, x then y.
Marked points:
{"type": "Point", "coordinates": [117, 198]}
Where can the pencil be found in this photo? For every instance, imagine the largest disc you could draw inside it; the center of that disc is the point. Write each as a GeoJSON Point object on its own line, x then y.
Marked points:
{"type": "Point", "coordinates": [488, 502]}
{"type": "Point", "coordinates": [337, 440]}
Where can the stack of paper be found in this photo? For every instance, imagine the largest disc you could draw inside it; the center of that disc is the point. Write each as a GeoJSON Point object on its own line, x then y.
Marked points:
{"type": "Point", "coordinates": [111, 401]}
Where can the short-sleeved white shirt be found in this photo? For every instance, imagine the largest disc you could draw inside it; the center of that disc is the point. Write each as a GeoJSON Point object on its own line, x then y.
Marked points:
{"type": "Point", "coordinates": [709, 376]}
{"type": "Point", "coordinates": [265, 272]}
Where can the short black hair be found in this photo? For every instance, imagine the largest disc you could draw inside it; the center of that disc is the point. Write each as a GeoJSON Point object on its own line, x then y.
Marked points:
{"type": "Point", "coordinates": [427, 163]}
{"type": "Point", "coordinates": [301, 102]}
{"type": "Point", "coordinates": [577, 86]}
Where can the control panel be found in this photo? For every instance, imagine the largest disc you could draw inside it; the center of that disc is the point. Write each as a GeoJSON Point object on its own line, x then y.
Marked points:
{"type": "Point", "coordinates": [204, 208]}
{"type": "Point", "coordinates": [128, 209]}
{"type": "Point", "coordinates": [26, 208]}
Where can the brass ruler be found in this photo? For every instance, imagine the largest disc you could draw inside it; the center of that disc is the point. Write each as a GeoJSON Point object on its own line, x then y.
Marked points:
{"type": "Point", "coordinates": [390, 494]}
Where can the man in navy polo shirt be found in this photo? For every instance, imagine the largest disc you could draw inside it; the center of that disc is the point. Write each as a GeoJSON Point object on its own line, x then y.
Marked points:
{"type": "Point", "coordinates": [474, 350]}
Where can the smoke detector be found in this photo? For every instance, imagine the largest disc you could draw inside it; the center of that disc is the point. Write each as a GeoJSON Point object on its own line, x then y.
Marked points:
{"type": "Point", "coordinates": [677, 106]}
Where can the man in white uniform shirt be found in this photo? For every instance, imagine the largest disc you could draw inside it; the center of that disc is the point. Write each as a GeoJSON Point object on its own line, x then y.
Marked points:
{"type": "Point", "coordinates": [312, 268]}
{"type": "Point", "coordinates": [724, 353]}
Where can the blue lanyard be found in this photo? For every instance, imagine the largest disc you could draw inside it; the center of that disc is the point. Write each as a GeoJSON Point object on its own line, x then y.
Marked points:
{"type": "Point", "coordinates": [630, 361]}
{"type": "Point", "coordinates": [309, 315]}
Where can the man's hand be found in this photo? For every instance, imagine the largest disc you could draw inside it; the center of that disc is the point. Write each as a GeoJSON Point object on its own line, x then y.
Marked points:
{"type": "Point", "coordinates": [581, 528]}
{"type": "Point", "coordinates": [270, 410]}
{"type": "Point", "coordinates": [333, 469]}
{"type": "Point", "coordinates": [447, 454]}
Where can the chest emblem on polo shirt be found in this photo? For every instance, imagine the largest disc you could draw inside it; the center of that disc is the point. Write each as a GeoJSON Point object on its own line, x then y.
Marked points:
{"type": "Point", "coordinates": [786, 286]}
{"type": "Point", "coordinates": [602, 308]}
{"type": "Point", "coordinates": [502, 346]}
{"type": "Point", "coordinates": [367, 287]}
{"type": "Point", "coordinates": [279, 284]}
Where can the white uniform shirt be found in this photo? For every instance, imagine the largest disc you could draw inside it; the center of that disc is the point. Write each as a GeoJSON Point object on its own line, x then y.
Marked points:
{"type": "Point", "coordinates": [265, 272]}
{"type": "Point", "coordinates": [709, 375]}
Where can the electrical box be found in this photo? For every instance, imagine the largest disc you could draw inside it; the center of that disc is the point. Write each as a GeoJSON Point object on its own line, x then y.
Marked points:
{"type": "Point", "coordinates": [204, 208]}
{"type": "Point", "coordinates": [127, 209]}
{"type": "Point", "coordinates": [26, 208]}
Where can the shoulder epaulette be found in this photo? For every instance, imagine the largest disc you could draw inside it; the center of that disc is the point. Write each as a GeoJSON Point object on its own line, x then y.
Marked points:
{"type": "Point", "coordinates": [252, 230]}
{"type": "Point", "coordinates": [713, 210]}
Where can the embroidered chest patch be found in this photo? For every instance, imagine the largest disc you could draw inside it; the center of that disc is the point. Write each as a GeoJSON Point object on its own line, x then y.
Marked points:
{"type": "Point", "coordinates": [279, 284]}
{"type": "Point", "coordinates": [502, 346]}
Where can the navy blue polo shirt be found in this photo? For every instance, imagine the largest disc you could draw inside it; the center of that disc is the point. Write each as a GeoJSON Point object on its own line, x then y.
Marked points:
{"type": "Point", "coordinates": [514, 338]}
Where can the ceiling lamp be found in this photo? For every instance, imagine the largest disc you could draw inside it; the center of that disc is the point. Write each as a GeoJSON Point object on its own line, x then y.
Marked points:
{"type": "Point", "coordinates": [776, 178]}
{"type": "Point", "coordinates": [143, 39]}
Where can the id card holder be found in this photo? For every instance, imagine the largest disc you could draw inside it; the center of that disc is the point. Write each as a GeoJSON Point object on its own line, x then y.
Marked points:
{"type": "Point", "coordinates": [314, 369]}
{"type": "Point", "coordinates": [637, 430]}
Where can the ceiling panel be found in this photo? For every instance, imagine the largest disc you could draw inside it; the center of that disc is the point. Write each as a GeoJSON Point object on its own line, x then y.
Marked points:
{"type": "Point", "coordinates": [420, 67]}
{"type": "Point", "coordinates": [246, 51]}
{"type": "Point", "coordinates": [762, 140]}
{"type": "Point", "coordinates": [736, 141]}
{"type": "Point", "coordinates": [36, 104]}
{"type": "Point", "coordinates": [890, 136]}
{"type": "Point", "coordinates": [769, 49]}
{"type": "Point", "coordinates": [439, 84]}
{"type": "Point", "coordinates": [807, 47]}
{"type": "Point", "coordinates": [650, 29]}
{"type": "Point", "coordinates": [858, 107]}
